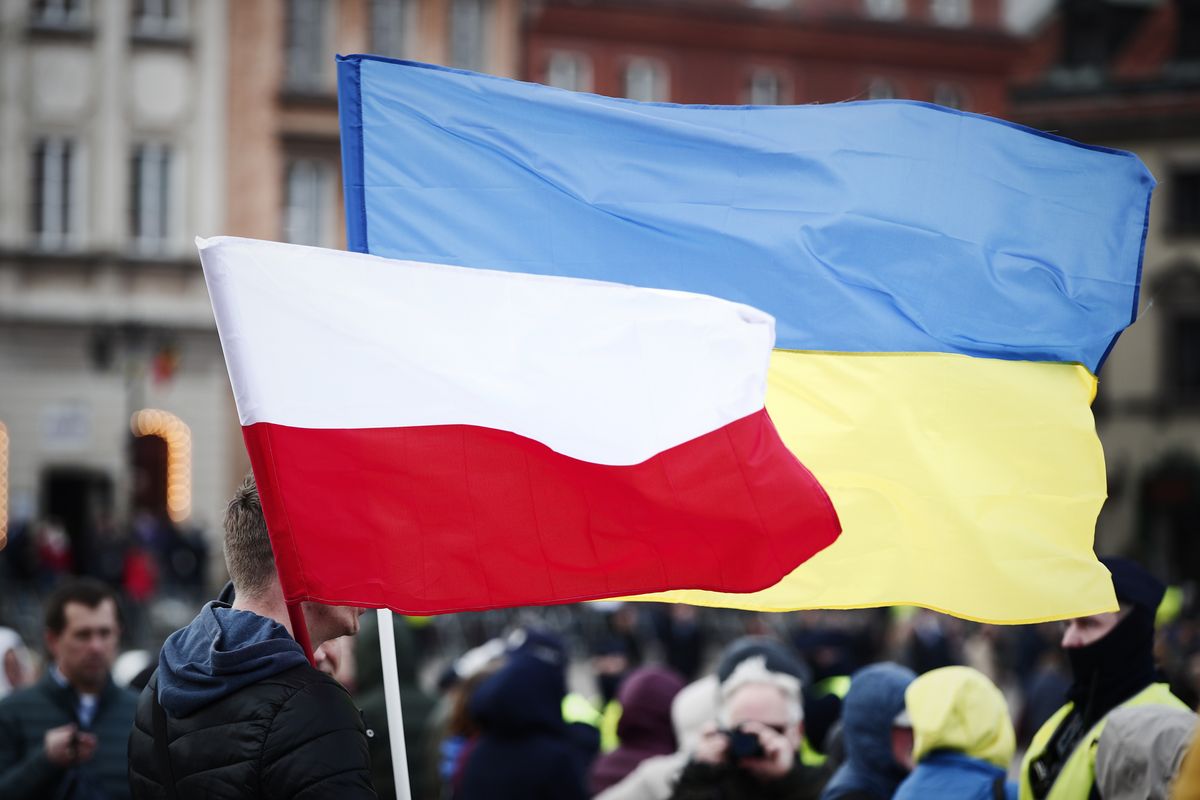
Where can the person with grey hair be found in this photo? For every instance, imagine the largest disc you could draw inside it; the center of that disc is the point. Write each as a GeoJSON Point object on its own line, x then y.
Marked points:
{"type": "Point", "coordinates": [235, 709]}
{"type": "Point", "coordinates": [751, 750]}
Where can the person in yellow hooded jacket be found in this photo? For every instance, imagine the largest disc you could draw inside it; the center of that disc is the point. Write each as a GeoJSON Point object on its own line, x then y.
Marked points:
{"type": "Point", "coordinates": [1112, 666]}
{"type": "Point", "coordinates": [963, 738]}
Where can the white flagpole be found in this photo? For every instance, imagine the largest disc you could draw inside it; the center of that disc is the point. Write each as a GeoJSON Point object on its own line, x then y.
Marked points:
{"type": "Point", "coordinates": [391, 690]}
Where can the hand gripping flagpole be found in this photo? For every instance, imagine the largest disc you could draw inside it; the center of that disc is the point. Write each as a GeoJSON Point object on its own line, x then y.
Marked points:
{"type": "Point", "coordinates": [391, 691]}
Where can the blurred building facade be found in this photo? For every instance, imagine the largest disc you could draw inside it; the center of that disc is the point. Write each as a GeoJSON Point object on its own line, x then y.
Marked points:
{"type": "Point", "coordinates": [1127, 75]}
{"type": "Point", "coordinates": [129, 126]}
{"type": "Point", "coordinates": [285, 172]}
{"type": "Point", "coordinates": [957, 53]}
{"type": "Point", "coordinates": [112, 148]}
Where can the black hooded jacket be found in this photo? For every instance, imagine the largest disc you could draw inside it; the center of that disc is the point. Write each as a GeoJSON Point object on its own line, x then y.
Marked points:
{"type": "Point", "coordinates": [246, 716]}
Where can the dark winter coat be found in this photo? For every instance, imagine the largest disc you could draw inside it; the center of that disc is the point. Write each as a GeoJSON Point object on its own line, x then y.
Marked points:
{"type": "Point", "coordinates": [876, 696]}
{"type": "Point", "coordinates": [247, 716]}
{"type": "Point", "coordinates": [701, 781]}
{"type": "Point", "coordinates": [645, 728]}
{"type": "Point", "coordinates": [525, 751]}
{"type": "Point", "coordinates": [25, 716]}
{"type": "Point", "coordinates": [416, 707]}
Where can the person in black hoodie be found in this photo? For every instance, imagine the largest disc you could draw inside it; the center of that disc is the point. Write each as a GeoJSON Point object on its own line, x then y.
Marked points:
{"type": "Point", "coordinates": [526, 750]}
{"type": "Point", "coordinates": [235, 709]}
{"type": "Point", "coordinates": [1112, 665]}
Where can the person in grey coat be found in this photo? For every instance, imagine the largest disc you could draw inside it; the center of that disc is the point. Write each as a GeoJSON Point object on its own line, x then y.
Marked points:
{"type": "Point", "coordinates": [1140, 751]}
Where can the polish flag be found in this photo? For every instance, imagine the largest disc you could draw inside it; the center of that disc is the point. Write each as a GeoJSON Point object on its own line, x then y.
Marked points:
{"type": "Point", "coordinates": [433, 438]}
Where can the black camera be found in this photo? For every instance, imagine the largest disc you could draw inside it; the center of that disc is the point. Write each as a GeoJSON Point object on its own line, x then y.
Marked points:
{"type": "Point", "coordinates": [742, 744]}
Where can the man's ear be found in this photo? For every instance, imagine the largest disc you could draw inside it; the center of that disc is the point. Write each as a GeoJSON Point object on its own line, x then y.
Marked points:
{"type": "Point", "coordinates": [52, 644]}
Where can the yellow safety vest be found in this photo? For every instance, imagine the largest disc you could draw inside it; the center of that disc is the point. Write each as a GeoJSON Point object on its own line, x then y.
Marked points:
{"type": "Point", "coordinates": [1075, 780]}
{"type": "Point", "coordinates": [577, 708]}
{"type": "Point", "coordinates": [610, 715]}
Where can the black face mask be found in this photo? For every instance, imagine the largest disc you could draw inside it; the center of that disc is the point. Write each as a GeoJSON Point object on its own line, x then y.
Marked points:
{"type": "Point", "coordinates": [1110, 671]}
{"type": "Point", "coordinates": [1107, 673]}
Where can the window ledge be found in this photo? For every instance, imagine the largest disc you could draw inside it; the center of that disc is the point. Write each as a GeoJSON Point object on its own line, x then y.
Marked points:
{"type": "Point", "coordinates": [168, 41]}
{"type": "Point", "coordinates": [319, 98]}
{"type": "Point", "coordinates": [52, 31]}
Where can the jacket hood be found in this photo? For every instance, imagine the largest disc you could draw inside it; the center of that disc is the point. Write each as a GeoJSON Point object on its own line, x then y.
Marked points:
{"type": "Point", "coordinates": [1140, 751]}
{"type": "Point", "coordinates": [876, 696]}
{"type": "Point", "coordinates": [645, 698]}
{"type": "Point", "coordinates": [221, 651]}
{"type": "Point", "coordinates": [525, 695]}
{"type": "Point", "coordinates": [959, 709]}
{"type": "Point", "coordinates": [695, 705]}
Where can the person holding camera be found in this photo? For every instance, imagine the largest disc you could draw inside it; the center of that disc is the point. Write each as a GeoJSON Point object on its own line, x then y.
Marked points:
{"type": "Point", "coordinates": [750, 751]}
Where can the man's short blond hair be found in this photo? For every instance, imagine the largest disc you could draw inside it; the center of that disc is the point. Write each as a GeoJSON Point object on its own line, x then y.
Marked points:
{"type": "Point", "coordinates": [248, 554]}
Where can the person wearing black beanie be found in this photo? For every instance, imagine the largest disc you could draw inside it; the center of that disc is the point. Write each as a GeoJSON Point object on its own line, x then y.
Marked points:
{"type": "Point", "coordinates": [1112, 665]}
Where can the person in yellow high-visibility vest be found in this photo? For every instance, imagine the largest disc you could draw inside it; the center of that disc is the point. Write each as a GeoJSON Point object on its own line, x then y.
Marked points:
{"type": "Point", "coordinates": [1112, 666]}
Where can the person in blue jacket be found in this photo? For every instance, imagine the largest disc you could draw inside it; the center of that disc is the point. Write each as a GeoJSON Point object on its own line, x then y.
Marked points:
{"type": "Point", "coordinates": [875, 699]}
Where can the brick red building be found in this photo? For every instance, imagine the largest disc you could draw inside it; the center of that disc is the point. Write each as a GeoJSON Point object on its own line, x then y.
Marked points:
{"type": "Point", "coordinates": [955, 52]}
{"type": "Point", "coordinates": [1127, 75]}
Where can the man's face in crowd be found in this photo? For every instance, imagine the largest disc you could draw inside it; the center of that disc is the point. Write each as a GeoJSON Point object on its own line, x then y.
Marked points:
{"type": "Point", "coordinates": [756, 702]}
{"type": "Point", "coordinates": [902, 746]}
{"type": "Point", "coordinates": [1082, 631]}
{"type": "Point", "coordinates": [329, 622]}
{"type": "Point", "coordinates": [87, 646]}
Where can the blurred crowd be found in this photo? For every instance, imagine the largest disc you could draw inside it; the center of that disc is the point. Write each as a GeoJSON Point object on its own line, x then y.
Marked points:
{"type": "Point", "coordinates": [159, 570]}
{"type": "Point", "coordinates": [631, 700]}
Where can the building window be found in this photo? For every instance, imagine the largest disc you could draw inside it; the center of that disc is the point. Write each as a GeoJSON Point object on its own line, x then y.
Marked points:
{"type": "Point", "coordinates": [162, 19]}
{"type": "Point", "coordinates": [569, 71]}
{"type": "Point", "coordinates": [881, 89]}
{"type": "Point", "coordinates": [885, 9]}
{"type": "Point", "coordinates": [953, 13]}
{"type": "Point", "coordinates": [948, 95]}
{"type": "Point", "coordinates": [1183, 358]}
{"type": "Point", "coordinates": [3, 484]}
{"type": "Point", "coordinates": [765, 88]}
{"type": "Point", "coordinates": [308, 55]}
{"type": "Point", "coordinates": [1187, 47]}
{"type": "Point", "coordinates": [54, 190]}
{"type": "Point", "coordinates": [60, 13]}
{"type": "Point", "coordinates": [1185, 202]}
{"type": "Point", "coordinates": [150, 197]}
{"type": "Point", "coordinates": [645, 80]}
{"type": "Point", "coordinates": [307, 215]}
{"type": "Point", "coordinates": [468, 26]}
{"type": "Point", "coordinates": [391, 22]}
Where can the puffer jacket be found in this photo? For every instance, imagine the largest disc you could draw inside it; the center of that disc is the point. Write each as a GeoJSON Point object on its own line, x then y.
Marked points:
{"type": "Point", "coordinates": [963, 738]}
{"type": "Point", "coordinates": [246, 716]}
{"type": "Point", "coordinates": [875, 698]}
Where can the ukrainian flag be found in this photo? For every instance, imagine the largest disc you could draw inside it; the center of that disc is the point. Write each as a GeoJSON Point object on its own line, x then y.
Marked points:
{"type": "Point", "coordinates": [946, 287]}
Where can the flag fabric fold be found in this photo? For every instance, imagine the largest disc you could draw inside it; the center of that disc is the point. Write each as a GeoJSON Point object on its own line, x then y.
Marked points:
{"type": "Point", "coordinates": [945, 287]}
{"type": "Point", "coordinates": [433, 438]}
